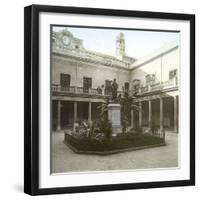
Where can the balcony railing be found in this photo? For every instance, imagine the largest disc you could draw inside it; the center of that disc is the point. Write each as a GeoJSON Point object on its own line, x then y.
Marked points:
{"type": "Point", "coordinates": [106, 93]}
{"type": "Point", "coordinates": [144, 89]}
{"type": "Point", "coordinates": [157, 87]}
{"type": "Point", "coordinates": [87, 91]}
{"type": "Point", "coordinates": [78, 90]}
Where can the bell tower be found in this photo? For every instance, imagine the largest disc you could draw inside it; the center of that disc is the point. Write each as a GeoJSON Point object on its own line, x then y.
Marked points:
{"type": "Point", "coordinates": [120, 46]}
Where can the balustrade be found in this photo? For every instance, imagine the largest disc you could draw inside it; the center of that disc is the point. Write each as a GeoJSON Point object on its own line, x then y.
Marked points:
{"type": "Point", "coordinates": [77, 90]}
{"type": "Point", "coordinates": [93, 91]}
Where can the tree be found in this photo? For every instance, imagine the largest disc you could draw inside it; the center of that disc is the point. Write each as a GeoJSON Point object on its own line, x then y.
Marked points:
{"type": "Point", "coordinates": [104, 124]}
{"type": "Point", "coordinates": [126, 103]}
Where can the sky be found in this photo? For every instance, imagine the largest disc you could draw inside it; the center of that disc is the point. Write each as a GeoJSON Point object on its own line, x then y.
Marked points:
{"type": "Point", "coordinates": [138, 43]}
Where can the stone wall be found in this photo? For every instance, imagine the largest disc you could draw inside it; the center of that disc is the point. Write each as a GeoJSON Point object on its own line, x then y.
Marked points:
{"type": "Point", "coordinates": [159, 66]}
{"type": "Point", "coordinates": [80, 69]}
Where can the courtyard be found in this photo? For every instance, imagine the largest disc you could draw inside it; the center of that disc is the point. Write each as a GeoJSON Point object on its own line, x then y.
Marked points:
{"type": "Point", "coordinates": [65, 160]}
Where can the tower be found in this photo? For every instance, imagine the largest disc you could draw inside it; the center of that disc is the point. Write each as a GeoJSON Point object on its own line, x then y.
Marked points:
{"type": "Point", "coordinates": [120, 46]}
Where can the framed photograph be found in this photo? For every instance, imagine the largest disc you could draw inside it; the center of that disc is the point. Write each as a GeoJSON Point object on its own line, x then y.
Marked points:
{"type": "Point", "coordinates": [109, 99]}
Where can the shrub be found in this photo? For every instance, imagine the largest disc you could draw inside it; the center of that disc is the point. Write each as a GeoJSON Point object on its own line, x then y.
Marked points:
{"type": "Point", "coordinates": [121, 141]}
{"type": "Point", "coordinates": [95, 130]}
{"type": "Point", "coordinates": [138, 130]}
{"type": "Point", "coordinates": [153, 127]}
{"type": "Point", "coordinates": [105, 127]}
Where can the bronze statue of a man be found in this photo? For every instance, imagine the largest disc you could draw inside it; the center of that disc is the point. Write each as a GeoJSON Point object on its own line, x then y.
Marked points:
{"type": "Point", "coordinates": [114, 90]}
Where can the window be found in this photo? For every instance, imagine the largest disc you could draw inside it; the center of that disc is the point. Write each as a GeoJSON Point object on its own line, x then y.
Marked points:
{"type": "Point", "coordinates": [87, 83]}
{"type": "Point", "coordinates": [65, 80]}
{"type": "Point", "coordinates": [153, 78]}
{"type": "Point", "coordinates": [126, 86]}
{"type": "Point", "coordinates": [150, 79]}
{"type": "Point", "coordinates": [172, 74]}
{"type": "Point", "coordinates": [108, 87]}
{"type": "Point", "coordinates": [136, 84]}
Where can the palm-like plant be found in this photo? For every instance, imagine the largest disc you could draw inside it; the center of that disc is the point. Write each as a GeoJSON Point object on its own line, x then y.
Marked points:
{"type": "Point", "coordinates": [103, 109]}
{"type": "Point", "coordinates": [89, 128]}
{"type": "Point", "coordinates": [104, 124]}
{"type": "Point", "coordinates": [127, 104]}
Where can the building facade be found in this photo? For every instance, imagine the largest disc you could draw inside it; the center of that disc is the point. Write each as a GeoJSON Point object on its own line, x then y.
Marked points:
{"type": "Point", "coordinates": [81, 81]}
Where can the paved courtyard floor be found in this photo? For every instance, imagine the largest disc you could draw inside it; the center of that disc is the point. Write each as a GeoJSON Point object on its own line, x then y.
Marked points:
{"type": "Point", "coordinates": [65, 160]}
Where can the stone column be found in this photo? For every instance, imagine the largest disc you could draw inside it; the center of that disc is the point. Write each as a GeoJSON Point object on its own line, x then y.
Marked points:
{"type": "Point", "coordinates": [140, 114]}
{"type": "Point", "coordinates": [75, 111]}
{"type": "Point", "coordinates": [58, 115]}
{"type": "Point", "coordinates": [75, 125]}
{"type": "Point", "coordinates": [161, 115]}
{"type": "Point", "coordinates": [90, 111]}
{"type": "Point", "coordinates": [132, 118]}
{"type": "Point", "coordinates": [150, 113]}
{"type": "Point", "coordinates": [175, 115]}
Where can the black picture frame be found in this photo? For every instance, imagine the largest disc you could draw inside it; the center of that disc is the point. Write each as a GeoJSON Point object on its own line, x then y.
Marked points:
{"type": "Point", "coordinates": [31, 98]}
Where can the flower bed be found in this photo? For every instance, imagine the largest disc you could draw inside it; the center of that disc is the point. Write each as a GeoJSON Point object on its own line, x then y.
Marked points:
{"type": "Point", "coordinates": [114, 144]}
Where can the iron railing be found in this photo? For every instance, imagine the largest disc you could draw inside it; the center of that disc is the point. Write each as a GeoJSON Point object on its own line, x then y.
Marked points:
{"type": "Point", "coordinates": [157, 86]}
{"type": "Point", "coordinates": [78, 90]}
{"type": "Point", "coordinates": [93, 91]}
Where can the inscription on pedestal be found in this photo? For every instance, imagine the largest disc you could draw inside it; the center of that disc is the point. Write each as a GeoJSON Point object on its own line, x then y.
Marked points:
{"type": "Point", "coordinates": [114, 115]}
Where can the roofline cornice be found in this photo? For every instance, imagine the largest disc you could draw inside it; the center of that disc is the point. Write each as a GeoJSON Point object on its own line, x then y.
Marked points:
{"type": "Point", "coordinates": [112, 64]}
{"type": "Point", "coordinates": [91, 61]}
{"type": "Point", "coordinates": [152, 58]}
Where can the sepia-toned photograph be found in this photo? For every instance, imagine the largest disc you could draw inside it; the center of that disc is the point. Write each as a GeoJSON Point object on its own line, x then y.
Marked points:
{"type": "Point", "coordinates": [114, 99]}
{"type": "Point", "coordinates": [109, 99]}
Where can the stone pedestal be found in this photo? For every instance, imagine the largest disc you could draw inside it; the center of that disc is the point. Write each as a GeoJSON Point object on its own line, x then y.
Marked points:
{"type": "Point", "coordinates": [114, 116]}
